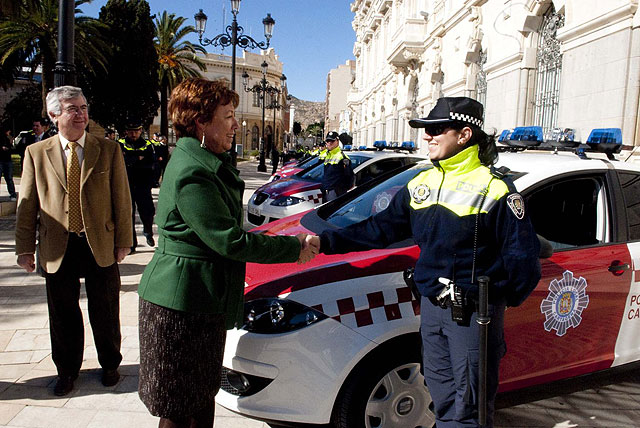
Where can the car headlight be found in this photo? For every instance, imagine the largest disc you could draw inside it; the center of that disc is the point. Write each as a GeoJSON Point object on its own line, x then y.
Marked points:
{"type": "Point", "coordinates": [275, 315]}
{"type": "Point", "coordinates": [286, 201]}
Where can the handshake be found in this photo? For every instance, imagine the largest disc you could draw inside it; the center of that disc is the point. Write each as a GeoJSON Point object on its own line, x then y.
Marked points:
{"type": "Point", "coordinates": [309, 247]}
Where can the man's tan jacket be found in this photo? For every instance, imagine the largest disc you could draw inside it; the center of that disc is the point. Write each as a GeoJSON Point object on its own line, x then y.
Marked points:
{"type": "Point", "coordinates": [43, 203]}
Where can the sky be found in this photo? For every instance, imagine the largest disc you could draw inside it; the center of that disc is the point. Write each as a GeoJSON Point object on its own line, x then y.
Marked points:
{"type": "Point", "coordinates": [310, 37]}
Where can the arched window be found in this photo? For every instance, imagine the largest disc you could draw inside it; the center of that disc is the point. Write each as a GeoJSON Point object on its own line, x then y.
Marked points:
{"type": "Point", "coordinates": [256, 99]}
{"type": "Point", "coordinates": [549, 68]}
{"type": "Point", "coordinates": [255, 135]}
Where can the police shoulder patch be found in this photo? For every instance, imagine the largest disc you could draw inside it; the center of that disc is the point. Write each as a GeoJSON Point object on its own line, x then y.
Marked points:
{"type": "Point", "coordinates": [516, 204]}
{"type": "Point", "coordinates": [420, 193]}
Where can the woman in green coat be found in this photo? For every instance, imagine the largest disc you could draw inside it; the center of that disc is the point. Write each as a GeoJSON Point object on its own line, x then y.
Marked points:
{"type": "Point", "coordinates": [192, 290]}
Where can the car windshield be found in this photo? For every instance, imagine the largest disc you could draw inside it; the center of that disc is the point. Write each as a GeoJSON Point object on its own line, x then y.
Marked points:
{"type": "Point", "coordinates": [374, 200]}
{"type": "Point", "coordinates": [377, 198]}
{"type": "Point", "coordinates": [315, 173]}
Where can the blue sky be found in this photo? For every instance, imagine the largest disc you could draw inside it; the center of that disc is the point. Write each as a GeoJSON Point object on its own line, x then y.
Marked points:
{"type": "Point", "coordinates": [310, 36]}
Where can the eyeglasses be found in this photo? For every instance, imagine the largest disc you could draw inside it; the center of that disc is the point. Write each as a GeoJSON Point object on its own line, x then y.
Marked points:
{"type": "Point", "coordinates": [72, 110]}
{"type": "Point", "coordinates": [437, 129]}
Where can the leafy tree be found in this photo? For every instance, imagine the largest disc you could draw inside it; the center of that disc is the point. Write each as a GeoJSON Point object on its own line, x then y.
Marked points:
{"type": "Point", "coordinates": [30, 32]}
{"type": "Point", "coordinates": [22, 109]}
{"type": "Point", "coordinates": [176, 58]}
{"type": "Point", "coordinates": [129, 89]}
{"type": "Point", "coordinates": [297, 129]}
{"type": "Point", "coordinates": [315, 129]}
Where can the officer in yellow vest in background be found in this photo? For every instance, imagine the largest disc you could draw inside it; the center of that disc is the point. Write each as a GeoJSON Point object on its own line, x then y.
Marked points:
{"type": "Point", "coordinates": [139, 158]}
{"type": "Point", "coordinates": [338, 171]}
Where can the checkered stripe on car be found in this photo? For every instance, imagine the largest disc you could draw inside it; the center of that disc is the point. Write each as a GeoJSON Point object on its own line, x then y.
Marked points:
{"type": "Point", "coordinates": [316, 198]}
{"type": "Point", "coordinates": [372, 308]}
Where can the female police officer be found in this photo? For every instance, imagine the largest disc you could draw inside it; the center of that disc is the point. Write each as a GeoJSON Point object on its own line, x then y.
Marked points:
{"type": "Point", "coordinates": [468, 221]}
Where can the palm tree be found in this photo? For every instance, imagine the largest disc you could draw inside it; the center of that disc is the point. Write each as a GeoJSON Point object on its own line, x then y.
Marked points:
{"type": "Point", "coordinates": [176, 58]}
{"type": "Point", "coordinates": [32, 30]}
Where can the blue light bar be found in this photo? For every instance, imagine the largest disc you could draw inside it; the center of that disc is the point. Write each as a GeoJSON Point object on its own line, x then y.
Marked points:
{"type": "Point", "coordinates": [605, 135]}
{"type": "Point", "coordinates": [606, 140]}
{"type": "Point", "coordinates": [362, 148]}
{"type": "Point", "coordinates": [504, 135]}
{"type": "Point", "coordinates": [380, 144]}
{"type": "Point", "coordinates": [347, 148]}
{"type": "Point", "coordinates": [408, 145]}
{"type": "Point", "coordinates": [527, 133]}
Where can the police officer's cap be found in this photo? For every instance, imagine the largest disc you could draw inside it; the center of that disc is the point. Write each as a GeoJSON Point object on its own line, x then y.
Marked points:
{"type": "Point", "coordinates": [452, 109]}
{"type": "Point", "coordinates": [332, 136]}
{"type": "Point", "coordinates": [133, 125]}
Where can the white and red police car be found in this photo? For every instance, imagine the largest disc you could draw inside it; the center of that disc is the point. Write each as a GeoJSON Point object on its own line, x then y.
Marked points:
{"type": "Point", "coordinates": [339, 337]}
{"type": "Point", "coordinates": [302, 192]}
{"type": "Point", "coordinates": [294, 167]}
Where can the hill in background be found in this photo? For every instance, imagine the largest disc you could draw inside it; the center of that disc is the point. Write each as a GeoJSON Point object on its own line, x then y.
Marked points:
{"type": "Point", "coordinates": [308, 112]}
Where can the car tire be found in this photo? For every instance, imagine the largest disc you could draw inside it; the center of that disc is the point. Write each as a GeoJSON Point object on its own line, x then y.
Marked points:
{"type": "Point", "coordinates": [386, 392]}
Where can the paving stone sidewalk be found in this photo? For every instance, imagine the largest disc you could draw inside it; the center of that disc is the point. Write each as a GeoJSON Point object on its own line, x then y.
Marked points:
{"type": "Point", "coordinates": [27, 373]}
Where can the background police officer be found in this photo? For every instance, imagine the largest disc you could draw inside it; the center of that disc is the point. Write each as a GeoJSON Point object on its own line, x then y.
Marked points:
{"type": "Point", "coordinates": [468, 221]}
{"type": "Point", "coordinates": [139, 158]}
{"type": "Point", "coordinates": [338, 173]}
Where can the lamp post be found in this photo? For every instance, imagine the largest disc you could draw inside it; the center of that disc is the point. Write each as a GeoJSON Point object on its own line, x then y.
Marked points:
{"type": "Point", "coordinates": [275, 105]}
{"type": "Point", "coordinates": [262, 89]}
{"type": "Point", "coordinates": [234, 36]}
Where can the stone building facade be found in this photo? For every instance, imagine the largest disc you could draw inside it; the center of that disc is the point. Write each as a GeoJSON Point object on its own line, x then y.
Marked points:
{"type": "Point", "coordinates": [338, 85]}
{"type": "Point", "coordinates": [562, 63]}
{"type": "Point", "coordinates": [249, 111]}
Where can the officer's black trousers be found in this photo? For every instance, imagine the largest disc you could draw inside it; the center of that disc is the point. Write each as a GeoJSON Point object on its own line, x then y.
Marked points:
{"type": "Point", "coordinates": [142, 200]}
{"type": "Point", "coordinates": [450, 357]}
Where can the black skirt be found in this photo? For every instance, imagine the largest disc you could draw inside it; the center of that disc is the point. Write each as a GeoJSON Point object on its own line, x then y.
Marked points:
{"type": "Point", "coordinates": [180, 360]}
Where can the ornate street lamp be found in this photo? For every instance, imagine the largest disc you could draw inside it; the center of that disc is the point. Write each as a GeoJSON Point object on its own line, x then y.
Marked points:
{"type": "Point", "coordinates": [262, 89]}
{"type": "Point", "coordinates": [234, 36]}
{"type": "Point", "coordinates": [275, 105]}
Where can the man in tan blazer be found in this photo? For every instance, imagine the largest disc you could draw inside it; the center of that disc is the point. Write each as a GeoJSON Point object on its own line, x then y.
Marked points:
{"type": "Point", "coordinates": [88, 243]}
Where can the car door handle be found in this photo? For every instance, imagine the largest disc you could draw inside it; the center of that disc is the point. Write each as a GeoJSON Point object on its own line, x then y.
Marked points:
{"type": "Point", "coordinates": [618, 268]}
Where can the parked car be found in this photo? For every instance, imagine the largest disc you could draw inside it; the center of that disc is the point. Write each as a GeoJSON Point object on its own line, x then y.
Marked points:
{"type": "Point", "coordinates": [339, 335]}
{"type": "Point", "coordinates": [302, 192]}
{"type": "Point", "coordinates": [294, 167]}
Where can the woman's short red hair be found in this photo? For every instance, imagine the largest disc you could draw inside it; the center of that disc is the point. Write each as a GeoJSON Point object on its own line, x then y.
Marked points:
{"type": "Point", "coordinates": [197, 99]}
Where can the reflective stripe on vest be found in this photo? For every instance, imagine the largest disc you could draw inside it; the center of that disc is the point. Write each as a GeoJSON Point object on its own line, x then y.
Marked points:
{"type": "Point", "coordinates": [334, 158]}
{"type": "Point", "coordinates": [133, 149]}
{"type": "Point", "coordinates": [460, 192]}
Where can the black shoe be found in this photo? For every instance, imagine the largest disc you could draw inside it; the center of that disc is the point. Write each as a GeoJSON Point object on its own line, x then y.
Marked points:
{"type": "Point", "coordinates": [110, 377]}
{"type": "Point", "coordinates": [64, 385]}
{"type": "Point", "coordinates": [150, 241]}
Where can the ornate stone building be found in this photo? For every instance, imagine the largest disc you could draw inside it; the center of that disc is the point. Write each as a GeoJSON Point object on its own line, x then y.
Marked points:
{"type": "Point", "coordinates": [564, 63]}
{"type": "Point", "coordinates": [249, 111]}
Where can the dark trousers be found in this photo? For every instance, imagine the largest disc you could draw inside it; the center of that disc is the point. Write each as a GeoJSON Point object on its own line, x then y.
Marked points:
{"type": "Point", "coordinates": [450, 357]}
{"type": "Point", "coordinates": [142, 200]}
{"type": "Point", "coordinates": [6, 170]}
{"type": "Point", "coordinates": [65, 317]}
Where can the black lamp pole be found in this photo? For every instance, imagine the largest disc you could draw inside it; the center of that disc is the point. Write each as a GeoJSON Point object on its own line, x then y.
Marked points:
{"type": "Point", "coordinates": [275, 105]}
{"type": "Point", "coordinates": [262, 89]}
{"type": "Point", "coordinates": [234, 36]}
{"type": "Point", "coordinates": [64, 72]}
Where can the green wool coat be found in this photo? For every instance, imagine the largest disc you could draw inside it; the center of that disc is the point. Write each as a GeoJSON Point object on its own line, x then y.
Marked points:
{"type": "Point", "coordinates": [199, 265]}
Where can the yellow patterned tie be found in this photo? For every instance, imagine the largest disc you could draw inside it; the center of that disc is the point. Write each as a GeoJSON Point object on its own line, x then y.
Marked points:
{"type": "Point", "coordinates": [73, 186]}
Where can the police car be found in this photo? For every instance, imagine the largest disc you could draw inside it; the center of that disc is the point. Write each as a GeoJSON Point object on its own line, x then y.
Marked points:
{"type": "Point", "coordinates": [294, 167]}
{"type": "Point", "coordinates": [302, 192]}
{"type": "Point", "coordinates": [338, 337]}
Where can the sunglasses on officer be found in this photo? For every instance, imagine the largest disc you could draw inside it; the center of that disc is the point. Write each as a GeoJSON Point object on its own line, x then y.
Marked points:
{"type": "Point", "coordinates": [439, 128]}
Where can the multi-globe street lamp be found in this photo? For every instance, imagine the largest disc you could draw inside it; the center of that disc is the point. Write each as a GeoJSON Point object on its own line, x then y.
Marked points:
{"type": "Point", "coordinates": [275, 105]}
{"type": "Point", "coordinates": [262, 89]}
{"type": "Point", "coordinates": [234, 36]}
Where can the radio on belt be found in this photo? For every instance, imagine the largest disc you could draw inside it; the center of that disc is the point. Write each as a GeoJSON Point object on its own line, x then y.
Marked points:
{"type": "Point", "coordinates": [453, 297]}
